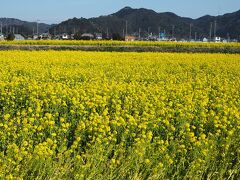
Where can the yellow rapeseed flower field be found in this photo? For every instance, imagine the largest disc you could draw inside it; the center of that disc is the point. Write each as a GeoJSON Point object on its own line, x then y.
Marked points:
{"type": "Point", "coordinates": [103, 115]}
{"type": "Point", "coordinates": [122, 43]}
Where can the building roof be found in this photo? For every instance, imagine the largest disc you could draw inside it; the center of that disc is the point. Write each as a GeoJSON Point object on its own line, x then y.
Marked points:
{"type": "Point", "coordinates": [87, 35]}
{"type": "Point", "coordinates": [18, 36]}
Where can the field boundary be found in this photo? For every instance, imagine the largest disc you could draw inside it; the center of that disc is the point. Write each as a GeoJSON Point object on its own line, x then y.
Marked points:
{"type": "Point", "coordinates": [230, 50]}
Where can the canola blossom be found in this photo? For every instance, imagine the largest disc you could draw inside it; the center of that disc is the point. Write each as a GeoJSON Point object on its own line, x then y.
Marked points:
{"type": "Point", "coordinates": [123, 43]}
{"type": "Point", "coordinates": [105, 115]}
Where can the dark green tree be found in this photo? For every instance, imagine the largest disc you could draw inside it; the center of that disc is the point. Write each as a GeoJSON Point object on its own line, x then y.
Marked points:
{"type": "Point", "coordinates": [117, 36]}
{"type": "Point", "coordinates": [77, 36]}
{"type": "Point", "coordinates": [10, 37]}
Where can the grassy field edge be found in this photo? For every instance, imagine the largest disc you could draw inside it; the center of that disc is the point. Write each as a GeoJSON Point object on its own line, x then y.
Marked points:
{"type": "Point", "coordinates": [220, 49]}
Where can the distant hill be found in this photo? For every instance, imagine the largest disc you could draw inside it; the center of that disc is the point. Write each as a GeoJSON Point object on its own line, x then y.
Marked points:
{"type": "Point", "coordinates": [145, 20]}
{"type": "Point", "coordinates": [150, 21]}
{"type": "Point", "coordinates": [226, 24]}
{"type": "Point", "coordinates": [22, 27]}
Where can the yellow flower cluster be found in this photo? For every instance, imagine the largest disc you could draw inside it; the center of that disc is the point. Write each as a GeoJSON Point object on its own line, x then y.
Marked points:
{"type": "Point", "coordinates": [122, 43]}
{"type": "Point", "coordinates": [66, 114]}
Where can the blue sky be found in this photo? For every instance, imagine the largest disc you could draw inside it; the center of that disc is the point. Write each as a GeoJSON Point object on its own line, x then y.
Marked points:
{"type": "Point", "coordinates": [54, 11]}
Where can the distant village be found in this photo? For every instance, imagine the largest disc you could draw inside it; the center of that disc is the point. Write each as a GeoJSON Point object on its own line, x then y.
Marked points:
{"type": "Point", "coordinates": [162, 36]}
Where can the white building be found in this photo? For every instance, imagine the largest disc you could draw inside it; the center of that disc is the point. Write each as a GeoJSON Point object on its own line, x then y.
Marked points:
{"type": "Point", "coordinates": [35, 37]}
{"type": "Point", "coordinates": [87, 36]}
{"type": "Point", "coordinates": [205, 40]}
{"type": "Point", "coordinates": [18, 37]}
{"type": "Point", "coordinates": [1, 37]}
{"type": "Point", "coordinates": [45, 36]}
{"type": "Point", "coordinates": [98, 36]}
{"type": "Point", "coordinates": [217, 39]}
{"type": "Point", "coordinates": [64, 36]}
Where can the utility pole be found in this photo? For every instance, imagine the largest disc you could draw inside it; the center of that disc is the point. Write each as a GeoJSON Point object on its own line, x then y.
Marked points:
{"type": "Point", "coordinates": [126, 27]}
{"type": "Point", "coordinates": [139, 34]}
{"type": "Point", "coordinates": [215, 28]}
{"type": "Point", "coordinates": [228, 37]}
{"type": "Point", "coordinates": [37, 27]}
{"type": "Point", "coordinates": [173, 28]}
{"type": "Point", "coordinates": [107, 33]}
{"type": "Point", "coordinates": [148, 32]}
{"type": "Point", "coordinates": [190, 32]}
{"type": "Point", "coordinates": [210, 32]}
{"type": "Point", "coordinates": [1, 28]}
{"type": "Point", "coordinates": [33, 31]}
{"type": "Point", "coordinates": [123, 33]}
{"type": "Point", "coordinates": [159, 31]}
{"type": "Point", "coordinates": [195, 36]}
